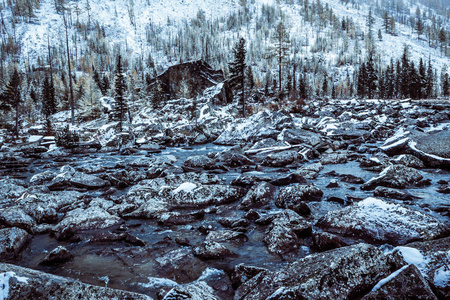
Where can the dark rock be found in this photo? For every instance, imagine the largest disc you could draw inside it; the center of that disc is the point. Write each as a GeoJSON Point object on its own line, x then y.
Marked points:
{"type": "Point", "coordinates": [267, 143]}
{"type": "Point", "coordinates": [393, 194]}
{"type": "Point", "coordinates": [258, 196]}
{"type": "Point", "coordinates": [409, 161]}
{"type": "Point", "coordinates": [332, 184]}
{"type": "Point", "coordinates": [444, 189]}
{"type": "Point", "coordinates": [334, 158]}
{"type": "Point", "coordinates": [22, 283]}
{"type": "Point", "coordinates": [289, 179]}
{"type": "Point", "coordinates": [226, 236]}
{"type": "Point", "coordinates": [246, 180]}
{"type": "Point", "coordinates": [11, 189]}
{"type": "Point", "coordinates": [310, 171]}
{"type": "Point", "coordinates": [299, 136]}
{"type": "Point", "coordinates": [342, 273]}
{"type": "Point", "coordinates": [432, 259]}
{"type": "Point", "coordinates": [12, 241]}
{"type": "Point", "coordinates": [16, 217]}
{"type": "Point", "coordinates": [405, 283]}
{"type": "Point", "coordinates": [380, 221]}
{"type": "Point", "coordinates": [242, 273]}
{"type": "Point", "coordinates": [395, 176]}
{"type": "Point", "coordinates": [348, 178]}
{"type": "Point", "coordinates": [57, 256]}
{"type": "Point", "coordinates": [187, 80]}
{"type": "Point", "coordinates": [259, 126]}
{"type": "Point", "coordinates": [199, 162]}
{"type": "Point", "coordinates": [233, 158]}
{"type": "Point", "coordinates": [432, 148]}
{"type": "Point", "coordinates": [212, 250]}
{"type": "Point", "coordinates": [324, 241]}
{"type": "Point", "coordinates": [283, 234]}
{"type": "Point", "coordinates": [180, 218]}
{"type": "Point", "coordinates": [281, 159]}
{"type": "Point", "coordinates": [194, 290]}
{"type": "Point", "coordinates": [292, 195]}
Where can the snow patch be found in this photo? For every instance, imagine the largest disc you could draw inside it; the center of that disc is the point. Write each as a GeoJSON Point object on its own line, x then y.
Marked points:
{"type": "Point", "coordinates": [186, 187]}
{"type": "Point", "coordinates": [157, 283]}
{"type": "Point", "coordinates": [413, 256]}
{"type": "Point", "coordinates": [442, 277]}
{"type": "Point", "coordinates": [4, 283]}
{"type": "Point", "coordinates": [387, 279]}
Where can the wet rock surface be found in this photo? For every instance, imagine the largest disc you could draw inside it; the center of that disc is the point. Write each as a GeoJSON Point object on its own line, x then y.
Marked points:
{"type": "Point", "coordinates": [277, 208]}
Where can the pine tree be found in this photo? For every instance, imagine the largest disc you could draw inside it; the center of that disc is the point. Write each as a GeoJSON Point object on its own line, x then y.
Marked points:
{"type": "Point", "coordinates": [13, 98]}
{"type": "Point", "coordinates": [372, 78]}
{"type": "Point", "coordinates": [404, 74]}
{"type": "Point", "coordinates": [445, 85]}
{"type": "Point", "coordinates": [250, 78]}
{"type": "Point", "coordinates": [237, 70]}
{"type": "Point", "coordinates": [361, 86]}
{"type": "Point", "coordinates": [429, 81]}
{"type": "Point", "coordinates": [419, 27]}
{"type": "Point", "coordinates": [48, 100]}
{"type": "Point", "coordinates": [413, 81]}
{"type": "Point", "coordinates": [302, 90]}
{"type": "Point", "coordinates": [104, 85]}
{"type": "Point", "coordinates": [422, 80]}
{"type": "Point", "coordinates": [333, 91]}
{"type": "Point", "coordinates": [442, 36]}
{"type": "Point", "coordinates": [325, 86]}
{"type": "Point", "coordinates": [119, 92]}
{"type": "Point", "coordinates": [386, 22]}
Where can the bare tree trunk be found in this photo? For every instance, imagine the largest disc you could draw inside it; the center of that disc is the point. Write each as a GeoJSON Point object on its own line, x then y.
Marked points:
{"type": "Point", "coordinates": [72, 104]}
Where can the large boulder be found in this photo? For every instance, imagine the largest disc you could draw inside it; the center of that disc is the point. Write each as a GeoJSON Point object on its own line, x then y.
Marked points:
{"type": "Point", "coordinates": [259, 196]}
{"type": "Point", "coordinates": [432, 258]}
{"type": "Point", "coordinates": [259, 126]}
{"type": "Point", "coordinates": [187, 80]}
{"type": "Point", "coordinates": [291, 196]}
{"type": "Point", "coordinates": [343, 273]}
{"type": "Point", "coordinates": [22, 283]}
{"type": "Point", "coordinates": [405, 283]}
{"type": "Point", "coordinates": [432, 148]}
{"type": "Point", "coordinates": [380, 221]}
{"type": "Point", "coordinates": [395, 176]}
{"type": "Point", "coordinates": [284, 232]}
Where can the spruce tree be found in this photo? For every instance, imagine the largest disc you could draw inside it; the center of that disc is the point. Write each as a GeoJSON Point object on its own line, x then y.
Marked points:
{"type": "Point", "coordinates": [422, 80]}
{"type": "Point", "coordinates": [119, 91]}
{"type": "Point", "coordinates": [325, 86]}
{"type": "Point", "coordinates": [237, 70]}
{"type": "Point", "coordinates": [250, 78]}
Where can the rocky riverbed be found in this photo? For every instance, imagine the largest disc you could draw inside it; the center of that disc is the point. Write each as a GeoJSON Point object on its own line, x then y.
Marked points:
{"type": "Point", "coordinates": [348, 200]}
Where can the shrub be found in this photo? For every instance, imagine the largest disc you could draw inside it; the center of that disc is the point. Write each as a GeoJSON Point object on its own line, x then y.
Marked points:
{"type": "Point", "coordinates": [66, 138]}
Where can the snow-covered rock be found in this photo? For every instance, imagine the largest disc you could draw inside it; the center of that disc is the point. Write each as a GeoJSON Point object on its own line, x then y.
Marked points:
{"type": "Point", "coordinates": [380, 221]}
{"type": "Point", "coordinates": [291, 196]}
{"type": "Point", "coordinates": [405, 283]}
{"type": "Point", "coordinates": [25, 283]}
{"type": "Point", "coordinates": [257, 127]}
{"type": "Point", "coordinates": [335, 274]}
{"type": "Point", "coordinates": [12, 241]}
{"type": "Point", "coordinates": [395, 176]}
{"type": "Point", "coordinates": [260, 195]}
{"type": "Point", "coordinates": [283, 234]}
